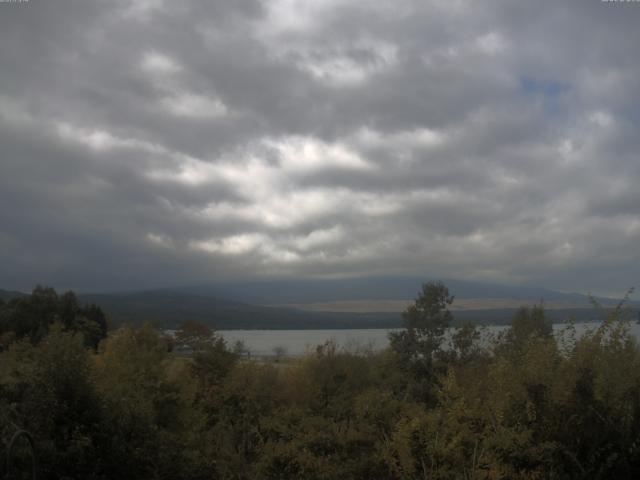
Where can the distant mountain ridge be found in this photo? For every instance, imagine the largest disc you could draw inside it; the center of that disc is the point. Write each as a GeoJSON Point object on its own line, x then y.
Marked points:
{"type": "Point", "coordinates": [9, 294]}
{"type": "Point", "coordinates": [379, 288]}
{"type": "Point", "coordinates": [267, 305]}
{"type": "Point", "coordinates": [168, 308]}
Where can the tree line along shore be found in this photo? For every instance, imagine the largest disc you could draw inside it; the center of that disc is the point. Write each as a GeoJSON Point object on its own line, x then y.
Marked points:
{"type": "Point", "coordinates": [121, 403]}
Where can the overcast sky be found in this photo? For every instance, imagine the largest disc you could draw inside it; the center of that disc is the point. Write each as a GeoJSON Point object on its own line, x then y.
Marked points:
{"type": "Point", "coordinates": [150, 143]}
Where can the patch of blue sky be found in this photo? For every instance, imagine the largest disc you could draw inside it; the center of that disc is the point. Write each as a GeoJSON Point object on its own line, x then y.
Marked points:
{"type": "Point", "coordinates": [551, 92]}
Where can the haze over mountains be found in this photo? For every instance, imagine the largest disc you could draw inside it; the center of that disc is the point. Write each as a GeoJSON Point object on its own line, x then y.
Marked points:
{"type": "Point", "coordinates": [372, 302]}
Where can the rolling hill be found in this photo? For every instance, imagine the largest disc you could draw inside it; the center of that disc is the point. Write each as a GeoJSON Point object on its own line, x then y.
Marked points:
{"type": "Point", "coordinates": [9, 294]}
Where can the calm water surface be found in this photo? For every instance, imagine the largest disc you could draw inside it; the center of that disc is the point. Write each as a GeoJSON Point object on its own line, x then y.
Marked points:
{"type": "Point", "coordinates": [297, 342]}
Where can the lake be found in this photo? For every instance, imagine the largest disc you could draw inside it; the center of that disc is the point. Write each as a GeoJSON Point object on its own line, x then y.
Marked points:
{"type": "Point", "coordinates": [297, 342]}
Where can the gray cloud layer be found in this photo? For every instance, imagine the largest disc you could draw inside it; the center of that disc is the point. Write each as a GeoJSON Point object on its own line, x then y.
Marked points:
{"type": "Point", "coordinates": [149, 143]}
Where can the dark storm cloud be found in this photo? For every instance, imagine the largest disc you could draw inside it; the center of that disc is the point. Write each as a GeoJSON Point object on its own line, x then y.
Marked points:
{"type": "Point", "coordinates": [154, 143]}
